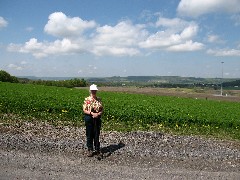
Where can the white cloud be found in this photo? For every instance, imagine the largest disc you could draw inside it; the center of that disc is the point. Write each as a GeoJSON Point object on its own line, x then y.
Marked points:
{"type": "Point", "coordinates": [60, 25]}
{"type": "Point", "coordinates": [177, 25]}
{"type": "Point", "coordinates": [176, 35]}
{"type": "Point", "coordinates": [116, 51]}
{"type": "Point", "coordinates": [62, 47]}
{"type": "Point", "coordinates": [16, 67]}
{"type": "Point", "coordinates": [195, 8]}
{"type": "Point", "coordinates": [123, 39]}
{"type": "Point", "coordinates": [3, 22]}
{"type": "Point", "coordinates": [119, 40]}
{"type": "Point", "coordinates": [44, 49]}
{"type": "Point", "coordinates": [171, 23]}
{"type": "Point", "coordinates": [187, 46]}
{"type": "Point", "coordinates": [160, 40]}
{"type": "Point", "coordinates": [34, 47]}
{"type": "Point", "coordinates": [211, 38]}
{"type": "Point", "coordinates": [124, 33]}
{"type": "Point", "coordinates": [189, 32]}
{"type": "Point", "coordinates": [224, 52]}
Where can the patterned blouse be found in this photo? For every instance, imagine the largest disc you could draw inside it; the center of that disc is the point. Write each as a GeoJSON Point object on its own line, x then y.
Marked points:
{"type": "Point", "coordinates": [95, 105]}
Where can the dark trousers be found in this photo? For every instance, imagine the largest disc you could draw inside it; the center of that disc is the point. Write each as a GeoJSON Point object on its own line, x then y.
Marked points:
{"type": "Point", "coordinates": [93, 127]}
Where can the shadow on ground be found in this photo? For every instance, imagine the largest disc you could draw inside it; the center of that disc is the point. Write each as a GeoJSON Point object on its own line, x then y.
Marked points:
{"type": "Point", "coordinates": [108, 150]}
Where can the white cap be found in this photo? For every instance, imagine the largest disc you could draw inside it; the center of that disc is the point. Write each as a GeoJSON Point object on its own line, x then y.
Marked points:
{"type": "Point", "coordinates": [93, 87]}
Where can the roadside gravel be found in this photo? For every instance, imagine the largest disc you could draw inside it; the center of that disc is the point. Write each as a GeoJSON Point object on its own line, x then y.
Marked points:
{"type": "Point", "coordinates": [38, 150]}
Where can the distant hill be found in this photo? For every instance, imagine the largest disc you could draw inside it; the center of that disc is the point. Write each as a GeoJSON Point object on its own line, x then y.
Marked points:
{"type": "Point", "coordinates": [128, 80]}
{"type": "Point", "coordinates": [161, 79]}
{"type": "Point", "coordinates": [45, 78]}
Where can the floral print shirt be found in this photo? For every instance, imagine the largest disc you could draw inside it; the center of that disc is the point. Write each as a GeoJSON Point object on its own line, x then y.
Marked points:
{"type": "Point", "coordinates": [93, 105]}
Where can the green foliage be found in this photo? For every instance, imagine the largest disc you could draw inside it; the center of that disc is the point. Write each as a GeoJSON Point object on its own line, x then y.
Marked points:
{"type": "Point", "coordinates": [6, 77]}
{"type": "Point", "coordinates": [50, 103]}
{"type": "Point", "coordinates": [124, 112]}
{"type": "Point", "coordinates": [172, 112]}
{"type": "Point", "coordinates": [60, 83]}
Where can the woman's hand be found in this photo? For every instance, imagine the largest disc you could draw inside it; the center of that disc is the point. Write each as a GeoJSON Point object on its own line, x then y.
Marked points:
{"type": "Point", "coordinates": [94, 115]}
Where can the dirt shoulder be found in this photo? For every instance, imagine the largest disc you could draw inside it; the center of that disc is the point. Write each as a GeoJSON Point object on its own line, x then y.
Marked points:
{"type": "Point", "coordinates": [229, 95]}
{"type": "Point", "coordinates": [25, 165]}
{"type": "Point", "coordinates": [38, 150]}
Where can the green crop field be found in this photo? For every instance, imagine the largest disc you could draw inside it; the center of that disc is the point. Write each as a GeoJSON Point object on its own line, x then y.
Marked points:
{"type": "Point", "coordinates": [123, 111]}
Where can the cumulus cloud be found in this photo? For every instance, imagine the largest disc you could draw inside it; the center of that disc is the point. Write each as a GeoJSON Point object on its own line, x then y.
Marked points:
{"type": "Point", "coordinates": [177, 35]}
{"type": "Point", "coordinates": [32, 46]}
{"type": "Point", "coordinates": [123, 39]}
{"type": "Point", "coordinates": [160, 40]}
{"type": "Point", "coordinates": [60, 25]}
{"type": "Point", "coordinates": [171, 23]}
{"type": "Point", "coordinates": [189, 32]}
{"type": "Point", "coordinates": [195, 8]}
{"type": "Point", "coordinates": [117, 51]}
{"type": "Point", "coordinates": [43, 49]}
{"type": "Point", "coordinates": [224, 52]}
{"type": "Point", "coordinates": [187, 46]}
{"type": "Point", "coordinates": [3, 22]}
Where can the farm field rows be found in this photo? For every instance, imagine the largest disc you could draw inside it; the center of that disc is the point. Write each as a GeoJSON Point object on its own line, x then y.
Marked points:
{"type": "Point", "coordinates": [124, 111]}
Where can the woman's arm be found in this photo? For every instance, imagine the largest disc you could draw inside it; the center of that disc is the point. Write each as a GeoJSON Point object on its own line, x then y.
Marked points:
{"type": "Point", "coordinates": [87, 112]}
{"type": "Point", "coordinates": [97, 114]}
{"type": "Point", "coordinates": [100, 113]}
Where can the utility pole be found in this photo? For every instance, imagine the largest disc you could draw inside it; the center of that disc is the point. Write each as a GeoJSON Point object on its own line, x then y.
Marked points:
{"type": "Point", "coordinates": [222, 80]}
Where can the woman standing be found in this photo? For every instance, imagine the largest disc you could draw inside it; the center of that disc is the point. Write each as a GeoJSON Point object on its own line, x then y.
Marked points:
{"type": "Point", "coordinates": [93, 110]}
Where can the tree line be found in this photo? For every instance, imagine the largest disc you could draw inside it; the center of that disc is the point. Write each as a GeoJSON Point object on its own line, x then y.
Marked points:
{"type": "Point", "coordinates": [6, 77]}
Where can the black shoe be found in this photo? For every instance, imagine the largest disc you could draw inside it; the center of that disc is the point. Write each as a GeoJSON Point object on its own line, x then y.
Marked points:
{"type": "Point", "coordinates": [99, 155]}
{"type": "Point", "coordinates": [90, 153]}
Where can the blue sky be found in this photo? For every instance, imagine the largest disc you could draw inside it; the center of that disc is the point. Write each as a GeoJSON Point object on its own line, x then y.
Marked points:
{"type": "Point", "coordinates": [93, 38]}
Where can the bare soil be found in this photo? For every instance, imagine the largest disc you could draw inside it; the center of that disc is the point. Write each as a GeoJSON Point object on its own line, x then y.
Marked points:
{"type": "Point", "coordinates": [228, 95]}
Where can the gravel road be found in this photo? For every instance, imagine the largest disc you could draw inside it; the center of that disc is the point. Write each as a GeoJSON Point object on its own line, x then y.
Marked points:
{"type": "Point", "coordinates": [38, 150]}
